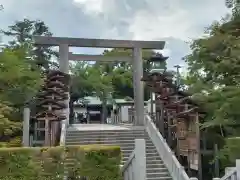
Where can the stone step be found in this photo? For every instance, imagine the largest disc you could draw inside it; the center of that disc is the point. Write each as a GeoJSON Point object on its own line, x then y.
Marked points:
{"type": "Point", "coordinates": [155, 170]}
{"type": "Point", "coordinates": [155, 161]}
{"type": "Point", "coordinates": [122, 145]}
{"type": "Point", "coordinates": [155, 167]}
{"type": "Point", "coordinates": [153, 157]}
{"type": "Point", "coordinates": [158, 174]}
{"type": "Point", "coordinates": [150, 151]}
{"type": "Point", "coordinates": [150, 157]}
{"type": "Point", "coordinates": [159, 178]}
{"type": "Point", "coordinates": [147, 159]}
{"type": "Point", "coordinates": [149, 162]}
{"type": "Point", "coordinates": [107, 142]}
{"type": "Point", "coordinates": [113, 142]}
{"type": "Point", "coordinates": [152, 165]}
{"type": "Point", "coordinates": [106, 139]}
{"type": "Point", "coordinates": [107, 136]}
{"type": "Point", "coordinates": [105, 131]}
{"type": "Point", "coordinates": [120, 136]}
{"type": "Point", "coordinates": [102, 132]}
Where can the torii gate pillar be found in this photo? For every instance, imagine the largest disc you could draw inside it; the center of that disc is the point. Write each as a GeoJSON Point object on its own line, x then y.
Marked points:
{"type": "Point", "coordinates": [64, 67]}
{"type": "Point", "coordinates": [138, 87]}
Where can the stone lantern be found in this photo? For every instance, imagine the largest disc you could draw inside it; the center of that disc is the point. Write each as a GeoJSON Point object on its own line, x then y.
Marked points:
{"type": "Point", "coordinates": [157, 64]}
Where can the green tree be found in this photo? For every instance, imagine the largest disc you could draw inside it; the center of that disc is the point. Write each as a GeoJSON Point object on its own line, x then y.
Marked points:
{"type": "Point", "coordinates": [9, 129]}
{"type": "Point", "coordinates": [104, 80]}
{"type": "Point", "coordinates": [234, 5]}
{"type": "Point", "coordinates": [80, 86]}
{"type": "Point", "coordinates": [122, 76]}
{"type": "Point", "coordinates": [22, 33]}
{"type": "Point", "coordinates": [122, 81]}
{"type": "Point", "coordinates": [18, 84]}
{"type": "Point", "coordinates": [91, 80]}
{"type": "Point", "coordinates": [115, 79]}
{"type": "Point", "coordinates": [18, 81]}
{"type": "Point", "coordinates": [214, 67]}
{"type": "Point", "coordinates": [102, 86]}
{"type": "Point", "coordinates": [214, 76]}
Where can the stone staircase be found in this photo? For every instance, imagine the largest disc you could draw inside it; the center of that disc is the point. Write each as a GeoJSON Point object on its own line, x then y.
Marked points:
{"type": "Point", "coordinates": [156, 169]}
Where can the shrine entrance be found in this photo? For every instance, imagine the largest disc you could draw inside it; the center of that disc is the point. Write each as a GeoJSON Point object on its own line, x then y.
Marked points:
{"type": "Point", "coordinates": [54, 102]}
{"type": "Point", "coordinates": [136, 59]}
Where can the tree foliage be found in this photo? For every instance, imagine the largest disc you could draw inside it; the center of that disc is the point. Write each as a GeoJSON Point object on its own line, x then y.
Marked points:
{"type": "Point", "coordinates": [20, 74]}
{"type": "Point", "coordinates": [214, 76]}
{"type": "Point", "coordinates": [122, 81]}
{"type": "Point", "coordinates": [18, 81]}
{"type": "Point", "coordinates": [122, 73]}
{"type": "Point", "coordinates": [80, 84]}
{"type": "Point", "coordinates": [22, 33]}
{"type": "Point", "coordinates": [9, 129]}
{"type": "Point", "coordinates": [214, 69]}
{"type": "Point", "coordinates": [105, 80]}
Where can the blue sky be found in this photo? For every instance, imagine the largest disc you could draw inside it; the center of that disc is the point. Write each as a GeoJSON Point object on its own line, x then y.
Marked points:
{"type": "Point", "coordinates": [175, 21]}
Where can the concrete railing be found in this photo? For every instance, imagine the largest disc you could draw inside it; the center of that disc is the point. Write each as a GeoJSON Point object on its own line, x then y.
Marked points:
{"type": "Point", "coordinates": [175, 169]}
{"type": "Point", "coordinates": [135, 167]}
{"type": "Point", "coordinates": [64, 126]}
{"type": "Point", "coordinates": [116, 119]}
{"type": "Point", "coordinates": [232, 173]}
{"type": "Point", "coordinates": [130, 118]}
{"type": "Point", "coordinates": [63, 132]}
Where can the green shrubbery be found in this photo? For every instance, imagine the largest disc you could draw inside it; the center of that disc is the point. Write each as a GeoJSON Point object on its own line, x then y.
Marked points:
{"type": "Point", "coordinates": [230, 152]}
{"type": "Point", "coordinates": [94, 162]}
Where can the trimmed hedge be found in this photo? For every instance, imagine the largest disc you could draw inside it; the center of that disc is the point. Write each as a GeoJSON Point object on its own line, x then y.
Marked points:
{"type": "Point", "coordinates": [92, 161]}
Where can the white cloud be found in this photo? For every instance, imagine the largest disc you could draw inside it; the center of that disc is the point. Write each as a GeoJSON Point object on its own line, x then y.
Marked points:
{"type": "Point", "coordinates": [156, 19]}
{"type": "Point", "coordinates": [91, 6]}
{"type": "Point", "coordinates": [148, 26]}
{"type": "Point", "coordinates": [173, 21]}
